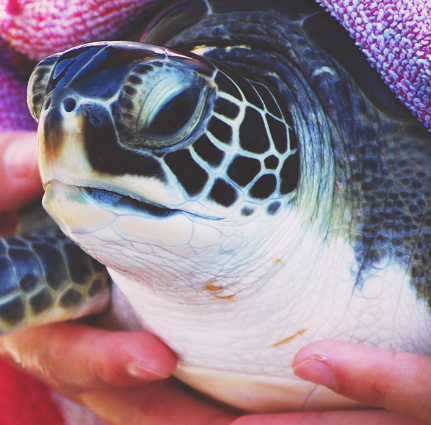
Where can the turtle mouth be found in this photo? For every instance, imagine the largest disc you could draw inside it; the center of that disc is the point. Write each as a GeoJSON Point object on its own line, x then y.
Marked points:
{"type": "Point", "coordinates": [126, 203]}
{"type": "Point", "coordinates": [116, 202]}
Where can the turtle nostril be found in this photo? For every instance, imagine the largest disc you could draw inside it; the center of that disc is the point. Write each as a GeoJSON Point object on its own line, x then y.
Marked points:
{"type": "Point", "coordinates": [69, 104]}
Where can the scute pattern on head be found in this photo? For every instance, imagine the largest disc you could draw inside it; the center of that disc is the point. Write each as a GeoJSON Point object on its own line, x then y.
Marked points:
{"type": "Point", "coordinates": [383, 177]}
{"type": "Point", "coordinates": [212, 133]}
{"type": "Point", "coordinates": [244, 131]}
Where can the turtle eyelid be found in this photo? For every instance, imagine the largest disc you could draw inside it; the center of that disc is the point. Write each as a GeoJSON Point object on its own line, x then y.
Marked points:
{"type": "Point", "coordinates": [38, 83]}
{"type": "Point", "coordinates": [163, 102]}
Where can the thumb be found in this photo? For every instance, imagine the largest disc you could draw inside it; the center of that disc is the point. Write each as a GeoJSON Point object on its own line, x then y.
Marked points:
{"type": "Point", "coordinates": [398, 382]}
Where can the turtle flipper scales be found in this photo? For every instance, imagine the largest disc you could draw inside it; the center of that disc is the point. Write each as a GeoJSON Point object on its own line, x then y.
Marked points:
{"type": "Point", "coordinates": [45, 277]}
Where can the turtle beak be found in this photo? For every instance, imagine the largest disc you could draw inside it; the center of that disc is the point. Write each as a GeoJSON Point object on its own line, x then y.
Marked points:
{"type": "Point", "coordinates": [60, 135]}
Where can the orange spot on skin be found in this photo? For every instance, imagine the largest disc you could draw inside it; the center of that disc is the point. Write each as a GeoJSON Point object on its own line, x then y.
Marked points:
{"type": "Point", "coordinates": [286, 340]}
{"type": "Point", "coordinates": [213, 288]}
{"type": "Point", "coordinates": [228, 297]}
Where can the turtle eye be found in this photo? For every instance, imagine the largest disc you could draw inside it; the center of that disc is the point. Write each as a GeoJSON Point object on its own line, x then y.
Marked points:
{"type": "Point", "coordinates": [176, 113]}
{"type": "Point", "coordinates": [38, 83]}
{"type": "Point", "coordinates": [161, 104]}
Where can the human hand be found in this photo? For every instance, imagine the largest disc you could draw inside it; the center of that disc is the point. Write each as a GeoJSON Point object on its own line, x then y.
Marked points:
{"type": "Point", "coordinates": [119, 375]}
{"type": "Point", "coordinates": [19, 175]}
{"type": "Point", "coordinates": [398, 382]}
{"type": "Point", "coordinates": [93, 366]}
{"type": "Point", "coordinates": [114, 373]}
{"type": "Point", "coordinates": [90, 366]}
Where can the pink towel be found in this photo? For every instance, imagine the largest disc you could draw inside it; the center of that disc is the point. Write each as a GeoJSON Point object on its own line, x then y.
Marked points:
{"type": "Point", "coordinates": [35, 29]}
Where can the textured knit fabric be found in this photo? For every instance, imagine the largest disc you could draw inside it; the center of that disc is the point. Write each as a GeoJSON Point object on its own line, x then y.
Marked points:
{"type": "Point", "coordinates": [14, 113]}
{"type": "Point", "coordinates": [393, 34]}
{"type": "Point", "coordinates": [40, 28]}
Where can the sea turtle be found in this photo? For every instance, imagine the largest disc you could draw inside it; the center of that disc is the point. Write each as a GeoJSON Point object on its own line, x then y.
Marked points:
{"type": "Point", "coordinates": [251, 187]}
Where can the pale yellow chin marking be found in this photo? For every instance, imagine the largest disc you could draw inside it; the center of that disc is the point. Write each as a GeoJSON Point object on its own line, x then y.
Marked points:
{"type": "Point", "coordinates": [204, 235]}
{"type": "Point", "coordinates": [66, 205]}
{"type": "Point", "coordinates": [174, 231]}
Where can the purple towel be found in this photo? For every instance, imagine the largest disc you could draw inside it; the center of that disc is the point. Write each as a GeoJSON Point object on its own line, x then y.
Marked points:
{"type": "Point", "coordinates": [395, 35]}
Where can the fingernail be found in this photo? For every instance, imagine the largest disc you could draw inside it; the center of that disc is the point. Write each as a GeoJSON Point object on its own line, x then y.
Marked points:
{"type": "Point", "coordinates": [317, 371]}
{"type": "Point", "coordinates": [138, 370]}
{"type": "Point", "coordinates": [20, 157]}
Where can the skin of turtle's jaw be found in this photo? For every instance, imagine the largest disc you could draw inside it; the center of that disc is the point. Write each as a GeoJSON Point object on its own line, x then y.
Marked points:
{"type": "Point", "coordinates": [236, 286]}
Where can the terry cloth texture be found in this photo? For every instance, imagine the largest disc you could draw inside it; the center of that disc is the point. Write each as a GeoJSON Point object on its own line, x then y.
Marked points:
{"type": "Point", "coordinates": [395, 35]}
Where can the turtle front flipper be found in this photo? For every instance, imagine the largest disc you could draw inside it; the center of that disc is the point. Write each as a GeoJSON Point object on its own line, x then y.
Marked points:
{"type": "Point", "coordinates": [44, 277]}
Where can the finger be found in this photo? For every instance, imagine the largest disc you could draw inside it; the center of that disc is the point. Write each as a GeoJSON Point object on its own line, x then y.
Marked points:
{"type": "Point", "coordinates": [399, 382]}
{"type": "Point", "coordinates": [19, 175]}
{"type": "Point", "coordinates": [162, 403]}
{"type": "Point", "coordinates": [73, 357]}
{"type": "Point", "coordinates": [356, 417]}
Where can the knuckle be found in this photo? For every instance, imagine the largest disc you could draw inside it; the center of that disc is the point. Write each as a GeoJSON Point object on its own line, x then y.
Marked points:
{"type": "Point", "coordinates": [376, 394]}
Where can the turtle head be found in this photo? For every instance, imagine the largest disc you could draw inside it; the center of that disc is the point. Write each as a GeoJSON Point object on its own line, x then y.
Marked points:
{"type": "Point", "coordinates": [142, 144]}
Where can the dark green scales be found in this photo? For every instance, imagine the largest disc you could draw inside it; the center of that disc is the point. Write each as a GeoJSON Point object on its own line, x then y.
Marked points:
{"type": "Point", "coordinates": [51, 271]}
{"type": "Point", "coordinates": [274, 102]}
